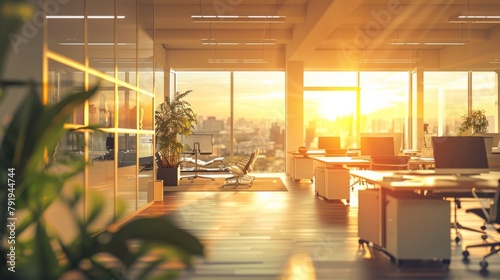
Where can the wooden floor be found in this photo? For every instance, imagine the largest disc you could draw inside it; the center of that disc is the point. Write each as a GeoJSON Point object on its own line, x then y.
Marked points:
{"type": "Point", "coordinates": [297, 235]}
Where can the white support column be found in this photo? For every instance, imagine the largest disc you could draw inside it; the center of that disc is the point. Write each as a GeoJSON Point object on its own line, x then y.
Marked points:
{"type": "Point", "coordinates": [294, 105]}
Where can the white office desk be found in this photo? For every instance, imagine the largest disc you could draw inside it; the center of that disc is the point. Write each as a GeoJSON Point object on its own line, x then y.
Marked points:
{"type": "Point", "coordinates": [413, 219]}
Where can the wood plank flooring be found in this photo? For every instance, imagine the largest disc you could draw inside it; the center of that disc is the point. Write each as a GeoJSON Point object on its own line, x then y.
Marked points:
{"type": "Point", "coordinates": [297, 235]}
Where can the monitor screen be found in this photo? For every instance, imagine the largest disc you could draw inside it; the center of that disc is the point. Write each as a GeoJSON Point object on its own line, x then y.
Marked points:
{"type": "Point", "coordinates": [460, 155]}
{"type": "Point", "coordinates": [202, 142]}
{"type": "Point", "coordinates": [495, 136]}
{"type": "Point", "coordinates": [377, 146]}
{"type": "Point", "coordinates": [329, 142]}
{"type": "Point", "coordinates": [396, 137]}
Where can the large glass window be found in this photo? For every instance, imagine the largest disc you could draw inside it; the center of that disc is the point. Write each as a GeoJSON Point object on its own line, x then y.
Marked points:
{"type": "Point", "coordinates": [258, 113]}
{"type": "Point", "coordinates": [485, 96]}
{"type": "Point", "coordinates": [332, 108]}
{"type": "Point", "coordinates": [330, 113]}
{"type": "Point", "coordinates": [384, 101]}
{"type": "Point", "coordinates": [445, 101]}
{"type": "Point", "coordinates": [210, 100]}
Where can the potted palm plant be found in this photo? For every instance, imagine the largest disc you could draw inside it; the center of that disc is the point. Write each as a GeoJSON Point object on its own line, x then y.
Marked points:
{"type": "Point", "coordinates": [173, 118]}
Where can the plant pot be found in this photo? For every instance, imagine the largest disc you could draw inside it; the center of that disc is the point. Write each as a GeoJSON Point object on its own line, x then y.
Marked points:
{"type": "Point", "coordinates": [169, 175]}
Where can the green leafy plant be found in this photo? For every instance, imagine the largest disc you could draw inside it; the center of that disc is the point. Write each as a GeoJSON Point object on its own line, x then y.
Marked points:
{"type": "Point", "coordinates": [173, 118]}
{"type": "Point", "coordinates": [32, 182]}
{"type": "Point", "coordinates": [473, 122]}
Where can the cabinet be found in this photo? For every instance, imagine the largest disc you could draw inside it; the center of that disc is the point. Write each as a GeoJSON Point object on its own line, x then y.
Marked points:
{"type": "Point", "coordinates": [337, 183]}
{"type": "Point", "coordinates": [332, 183]}
{"type": "Point", "coordinates": [369, 216]}
{"type": "Point", "coordinates": [418, 228]}
{"type": "Point", "coordinates": [319, 181]}
{"type": "Point", "coordinates": [302, 168]}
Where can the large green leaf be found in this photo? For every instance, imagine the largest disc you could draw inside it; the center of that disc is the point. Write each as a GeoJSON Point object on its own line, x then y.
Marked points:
{"type": "Point", "coordinates": [156, 229]}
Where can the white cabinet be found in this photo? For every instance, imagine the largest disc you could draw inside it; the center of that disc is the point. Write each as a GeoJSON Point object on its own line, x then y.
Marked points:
{"type": "Point", "coordinates": [302, 168]}
{"type": "Point", "coordinates": [332, 183]}
{"type": "Point", "coordinates": [337, 183]}
{"type": "Point", "coordinates": [319, 181]}
{"type": "Point", "coordinates": [369, 216]}
{"type": "Point", "coordinates": [418, 228]}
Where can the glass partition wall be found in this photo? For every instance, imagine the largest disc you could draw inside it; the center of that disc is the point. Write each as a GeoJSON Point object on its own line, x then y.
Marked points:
{"type": "Point", "coordinates": [115, 52]}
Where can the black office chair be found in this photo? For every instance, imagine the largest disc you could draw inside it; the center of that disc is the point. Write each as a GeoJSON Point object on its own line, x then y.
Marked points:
{"type": "Point", "coordinates": [491, 216]}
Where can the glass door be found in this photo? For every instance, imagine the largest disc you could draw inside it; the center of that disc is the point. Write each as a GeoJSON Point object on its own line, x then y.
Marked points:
{"type": "Point", "coordinates": [332, 112]}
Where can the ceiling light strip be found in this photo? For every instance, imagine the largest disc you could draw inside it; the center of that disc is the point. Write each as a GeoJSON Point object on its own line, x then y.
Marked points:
{"type": "Point", "coordinates": [238, 19]}
{"type": "Point", "coordinates": [475, 17]}
{"type": "Point", "coordinates": [82, 17]}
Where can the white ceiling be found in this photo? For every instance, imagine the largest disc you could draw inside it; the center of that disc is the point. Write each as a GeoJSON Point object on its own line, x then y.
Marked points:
{"type": "Point", "coordinates": [355, 28]}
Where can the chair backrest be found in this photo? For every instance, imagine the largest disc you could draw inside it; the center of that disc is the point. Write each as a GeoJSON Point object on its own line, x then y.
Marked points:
{"type": "Point", "coordinates": [246, 164]}
{"type": "Point", "coordinates": [389, 162]}
{"type": "Point", "coordinates": [254, 159]}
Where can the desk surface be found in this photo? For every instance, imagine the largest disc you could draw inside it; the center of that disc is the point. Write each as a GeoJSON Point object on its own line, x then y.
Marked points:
{"type": "Point", "coordinates": [308, 153]}
{"type": "Point", "coordinates": [428, 180]}
{"type": "Point", "coordinates": [365, 160]}
{"type": "Point", "coordinates": [342, 160]}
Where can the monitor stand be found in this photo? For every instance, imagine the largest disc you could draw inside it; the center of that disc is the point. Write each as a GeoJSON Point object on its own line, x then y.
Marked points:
{"type": "Point", "coordinates": [196, 152]}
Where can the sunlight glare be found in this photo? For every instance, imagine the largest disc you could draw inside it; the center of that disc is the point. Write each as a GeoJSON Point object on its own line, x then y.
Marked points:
{"type": "Point", "coordinates": [333, 106]}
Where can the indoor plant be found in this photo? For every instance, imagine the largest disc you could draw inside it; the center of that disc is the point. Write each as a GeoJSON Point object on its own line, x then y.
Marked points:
{"type": "Point", "coordinates": [473, 122]}
{"type": "Point", "coordinates": [173, 118]}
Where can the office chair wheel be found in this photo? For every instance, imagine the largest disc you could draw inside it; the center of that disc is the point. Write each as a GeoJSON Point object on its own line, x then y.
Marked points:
{"type": "Point", "coordinates": [446, 261]}
{"type": "Point", "coordinates": [484, 237]}
{"type": "Point", "coordinates": [465, 254]}
{"type": "Point", "coordinates": [457, 239]}
{"type": "Point", "coordinates": [483, 264]}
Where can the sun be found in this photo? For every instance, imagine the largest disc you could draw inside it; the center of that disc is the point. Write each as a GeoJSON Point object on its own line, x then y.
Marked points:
{"type": "Point", "coordinates": [334, 105]}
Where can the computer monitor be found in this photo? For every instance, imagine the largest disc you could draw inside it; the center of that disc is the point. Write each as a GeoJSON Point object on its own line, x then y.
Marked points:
{"type": "Point", "coordinates": [202, 142]}
{"type": "Point", "coordinates": [496, 137]}
{"type": "Point", "coordinates": [377, 146]}
{"type": "Point", "coordinates": [397, 138]}
{"type": "Point", "coordinates": [461, 155]}
{"type": "Point", "coordinates": [329, 142]}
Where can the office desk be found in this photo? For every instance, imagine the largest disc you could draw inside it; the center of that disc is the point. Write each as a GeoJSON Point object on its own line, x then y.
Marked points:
{"type": "Point", "coordinates": [413, 219]}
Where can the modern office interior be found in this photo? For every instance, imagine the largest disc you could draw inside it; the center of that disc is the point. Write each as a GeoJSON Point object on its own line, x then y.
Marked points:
{"type": "Point", "coordinates": [273, 75]}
